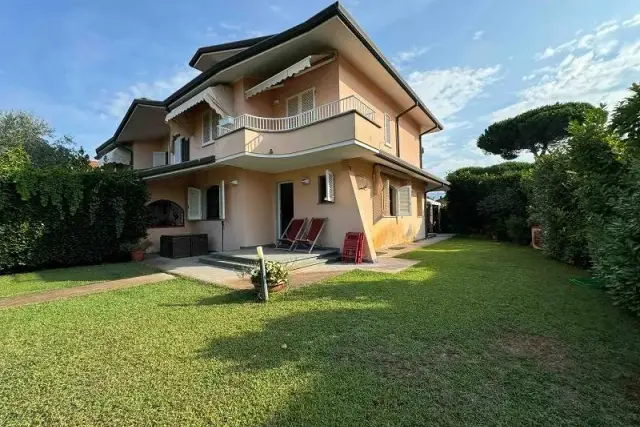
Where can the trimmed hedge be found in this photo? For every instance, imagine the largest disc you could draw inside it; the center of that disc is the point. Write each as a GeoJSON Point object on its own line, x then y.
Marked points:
{"type": "Point", "coordinates": [491, 201]}
{"type": "Point", "coordinates": [62, 217]}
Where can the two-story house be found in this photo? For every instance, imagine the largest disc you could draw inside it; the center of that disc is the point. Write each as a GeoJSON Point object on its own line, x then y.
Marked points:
{"type": "Point", "coordinates": [310, 122]}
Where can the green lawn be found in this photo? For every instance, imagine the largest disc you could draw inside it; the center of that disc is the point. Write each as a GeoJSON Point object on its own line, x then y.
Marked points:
{"type": "Point", "coordinates": [478, 333]}
{"type": "Point", "coordinates": [45, 280]}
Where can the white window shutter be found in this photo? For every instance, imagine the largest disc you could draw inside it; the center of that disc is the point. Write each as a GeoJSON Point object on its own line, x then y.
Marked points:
{"type": "Point", "coordinates": [387, 129]}
{"type": "Point", "coordinates": [194, 204]}
{"type": "Point", "coordinates": [292, 106]}
{"type": "Point", "coordinates": [404, 201]}
{"type": "Point", "coordinates": [159, 158]}
{"type": "Point", "coordinates": [177, 151]}
{"type": "Point", "coordinates": [330, 183]}
{"type": "Point", "coordinates": [222, 204]}
{"type": "Point", "coordinates": [307, 100]}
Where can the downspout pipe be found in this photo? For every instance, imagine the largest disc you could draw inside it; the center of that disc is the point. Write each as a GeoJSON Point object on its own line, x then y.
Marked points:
{"type": "Point", "coordinates": [398, 127]}
{"type": "Point", "coordinates": [420, 141]}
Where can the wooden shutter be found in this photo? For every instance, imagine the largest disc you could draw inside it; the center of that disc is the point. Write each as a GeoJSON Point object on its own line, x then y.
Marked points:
{"type": "Point", "coordinates": [159, 158]}
{"type": "Point", "coordinates": [404, 201]}
{"type": "Point", "coordinates": [222, 205]}
{"type": "Point", "coordinates": [330, 186]}
{"type": "Point", "coordinates": [386, 202]}
{"type": "Point", "coordinates": [206, 127]}
{"type": "Point", "coordinates": [194, 204]}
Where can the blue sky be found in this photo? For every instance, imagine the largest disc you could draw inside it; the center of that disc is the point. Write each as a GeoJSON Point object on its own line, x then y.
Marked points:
{"type": "Point", "coordinates": [78, 64]}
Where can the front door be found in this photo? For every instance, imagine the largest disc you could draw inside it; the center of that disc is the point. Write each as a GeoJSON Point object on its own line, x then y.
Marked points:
{"type": "Point", "coordinates": [285, 206]}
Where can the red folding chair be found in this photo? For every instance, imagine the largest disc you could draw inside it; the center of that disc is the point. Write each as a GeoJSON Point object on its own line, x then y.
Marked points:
{"type": "Point", "coordinates": [293, 231]}
{"type": "Point", "coordinates": [310, 237]}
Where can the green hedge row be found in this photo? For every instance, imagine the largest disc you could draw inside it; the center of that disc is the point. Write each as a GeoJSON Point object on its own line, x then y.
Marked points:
{"type": "Point", "coordinates": [62, 217]}
{"type": "Point", "coordinates": [491, 201]}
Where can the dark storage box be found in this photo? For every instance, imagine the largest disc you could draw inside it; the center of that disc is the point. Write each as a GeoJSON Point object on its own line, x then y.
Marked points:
{"type": "Point", "coordinates": [183, 245]}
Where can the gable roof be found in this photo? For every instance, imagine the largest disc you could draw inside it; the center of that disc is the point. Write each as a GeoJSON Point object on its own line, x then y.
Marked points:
{"type": "Point", "coordinates": [259, 45]}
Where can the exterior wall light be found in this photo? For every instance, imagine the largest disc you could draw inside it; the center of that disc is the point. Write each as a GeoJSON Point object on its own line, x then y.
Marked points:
{"type": "Point", "coordinates": [305, 181]}
{"type": "Point", "coordinates": [233, 182]}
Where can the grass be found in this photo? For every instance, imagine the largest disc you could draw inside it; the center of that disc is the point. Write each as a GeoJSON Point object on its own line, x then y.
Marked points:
{"type": "Point", "coordinates": [45, 280]}
{"type": "Point", "coordinates": [477, 333]}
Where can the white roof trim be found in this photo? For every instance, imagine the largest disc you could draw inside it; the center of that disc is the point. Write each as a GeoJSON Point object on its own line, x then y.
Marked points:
{"type": "Point", "coordinates": [291, 71]}
{"type": "Point", "coordinates": [219, 98]}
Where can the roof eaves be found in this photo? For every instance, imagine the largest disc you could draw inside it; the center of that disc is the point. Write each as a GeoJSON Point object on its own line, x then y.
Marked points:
{"type": "Point", "coordinates": [160, 170]}
{"type": "Point", "coordinates": [102, 148]}
{"type": "Point", "coordinates": [239, 44]}
{"type": "Point", "coordinates": [406, 165]}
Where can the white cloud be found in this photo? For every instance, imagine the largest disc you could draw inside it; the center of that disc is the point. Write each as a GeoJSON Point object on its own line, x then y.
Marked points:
{"type": "Point", "coordinates": [607, 27]}
{"type": "Point", "coordinates": [158, 89]}
{"type": "Point", "coordinates": [588, 77]}
{"type": "Point", "coordinates": [599, 35]}
{"type": "Point", "coordinates": [411, 54]}
{"type": "Point", "coordinates": [478, 35]}
{"type": "Point", "coordinates": [447, 91]}
{"type": "Point", "coordinates": [528, 77]}
{"type": "Point", "coordinates": [633, 22]}
{"type": "Point", "coordinates": [606, 48]}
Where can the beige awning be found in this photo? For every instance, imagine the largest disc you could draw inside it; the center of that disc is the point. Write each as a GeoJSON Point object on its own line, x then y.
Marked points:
{"type": "Point", "coordinates": [292, 71]}
{"type": "Point", "coordinates": [219, 98]}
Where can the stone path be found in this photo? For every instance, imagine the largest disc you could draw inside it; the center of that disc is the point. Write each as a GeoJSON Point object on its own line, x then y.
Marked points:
{"type": "Point", "coordinates": [56, 294]}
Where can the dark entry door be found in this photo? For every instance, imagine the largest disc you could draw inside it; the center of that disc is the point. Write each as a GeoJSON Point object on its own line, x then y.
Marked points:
{"type": "Point", "coordinates": [286, 205]}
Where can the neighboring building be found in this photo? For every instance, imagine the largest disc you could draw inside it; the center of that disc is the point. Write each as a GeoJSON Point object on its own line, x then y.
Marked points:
{"type": "Point", "coordinates": [310, 122]}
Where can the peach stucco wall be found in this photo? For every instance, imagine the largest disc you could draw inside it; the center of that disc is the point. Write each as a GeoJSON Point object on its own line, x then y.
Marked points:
{"type": "Point", "coordinates": [143, 152]}
{"type": "Point", "coordinates": [354, 82]}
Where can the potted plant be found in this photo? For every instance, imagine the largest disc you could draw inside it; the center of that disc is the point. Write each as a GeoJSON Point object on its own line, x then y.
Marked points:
{"type": "Point", "coordinates": [137, 250]}
{"type": "Point", "coordinates": [277, 276]}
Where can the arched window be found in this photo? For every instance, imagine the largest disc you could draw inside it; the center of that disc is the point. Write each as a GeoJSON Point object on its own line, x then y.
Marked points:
{"type": "Point", "coordinates": [213, 202]}
{"type": "Point", "coordinates": [165, 213]}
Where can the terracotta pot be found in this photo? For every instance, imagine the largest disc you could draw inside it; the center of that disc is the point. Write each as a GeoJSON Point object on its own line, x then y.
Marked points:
{"type": "Point", "coordinates": [273, 287]}
{"type": "Point", "coordinates": [137, 255]}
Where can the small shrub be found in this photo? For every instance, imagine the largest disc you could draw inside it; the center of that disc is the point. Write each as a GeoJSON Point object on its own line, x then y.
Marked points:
{"type": "Point", "coordinates": [276, 273]}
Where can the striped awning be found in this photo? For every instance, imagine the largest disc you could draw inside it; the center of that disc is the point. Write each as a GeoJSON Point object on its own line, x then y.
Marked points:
{"type": "Point", "coordinates": [291, 71]}
{"type": "Point", "coordinates": [219, 98]}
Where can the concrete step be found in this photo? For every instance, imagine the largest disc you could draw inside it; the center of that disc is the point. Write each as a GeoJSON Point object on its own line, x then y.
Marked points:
{"type": "Point", "coordinates": [227, 264]}
{"type": "Point", "coordinates": [243, 264]}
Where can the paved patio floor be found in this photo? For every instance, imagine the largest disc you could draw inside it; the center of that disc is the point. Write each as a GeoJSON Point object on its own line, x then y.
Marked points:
{"type": "Point", "coordinates": [194, 269]}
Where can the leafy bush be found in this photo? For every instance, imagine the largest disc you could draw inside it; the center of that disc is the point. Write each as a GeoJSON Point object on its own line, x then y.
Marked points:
{"type": "Point", "coordinates": [276, 272]}
{"type": "Point", "coordinates": [617, 254]}
{"type": "Point", "coordinates": [59, 216]}
{"type": "Point", "coordinates": [554, 206]}
{"type": "Point", "coordinates": [482, 200]}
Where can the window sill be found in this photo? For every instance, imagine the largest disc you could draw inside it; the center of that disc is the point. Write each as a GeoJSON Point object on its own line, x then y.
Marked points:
{"type": "Point", "coordinates": [206, 219]}
{"type": "Point", "coordinates": [206, 144]}
{"type": "Point", "coordinates": [325, 202]}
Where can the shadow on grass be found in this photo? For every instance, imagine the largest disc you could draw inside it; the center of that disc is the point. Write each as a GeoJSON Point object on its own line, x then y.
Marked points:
{"type": "Point", "coordinates": [420, 347]}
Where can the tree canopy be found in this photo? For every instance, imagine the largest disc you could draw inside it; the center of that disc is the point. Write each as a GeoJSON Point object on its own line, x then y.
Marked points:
{"type": "Point", "coordinates": [536, 130]}
{"type": "Point", "coordinates": [37, 138]}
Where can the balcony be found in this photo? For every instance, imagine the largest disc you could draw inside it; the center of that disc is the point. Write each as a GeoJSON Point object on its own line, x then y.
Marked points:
{"type": "Point", "coordinates": [287, 124]}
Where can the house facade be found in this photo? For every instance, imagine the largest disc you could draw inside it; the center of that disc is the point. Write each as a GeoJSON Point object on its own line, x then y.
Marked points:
{"type": "Point", "coordinates": [310, 122]}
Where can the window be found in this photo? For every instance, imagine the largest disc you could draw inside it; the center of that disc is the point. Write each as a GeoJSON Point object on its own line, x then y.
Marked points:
{"type": "Point", "coordinates": [165, 213]}
{"type": "Point", "coordinates": [210, 122]}
{"type": "Point", "coordinates": [393, 201]}
{"type": "Point", "coordinates": [213, 202]}
{"type": "Point", "coordinates": [326, 188]}
{"type": "Point", "coordinates": [396, 201]}
{"type": "Point", "coordinates": [180, 150]}
{"type": "Point", "coordinates": [301, 102]}
{"type": "Point", "coordinates": [159, 158]}
{"type": "Point", "coordinates": [387, 130]}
